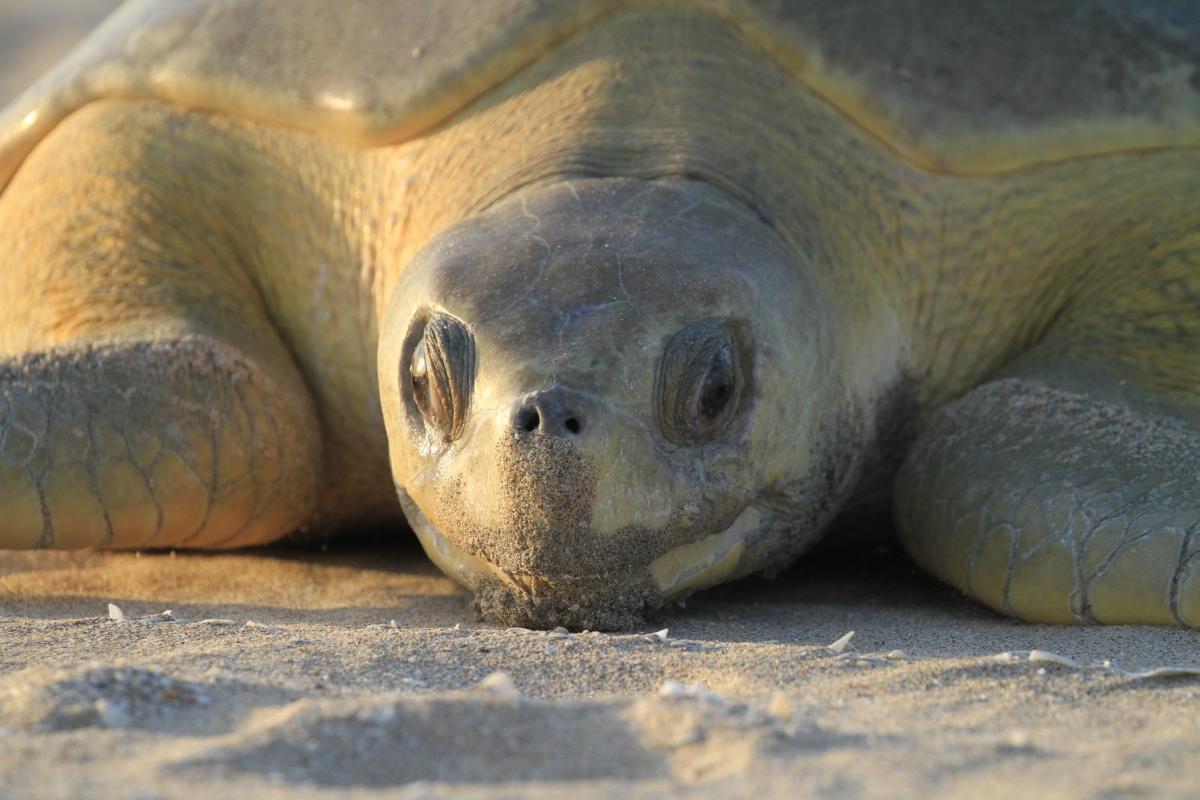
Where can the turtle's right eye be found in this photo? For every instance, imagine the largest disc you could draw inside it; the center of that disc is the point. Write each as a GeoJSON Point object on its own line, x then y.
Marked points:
{"type": "Point", "coordinates": [441, 373]}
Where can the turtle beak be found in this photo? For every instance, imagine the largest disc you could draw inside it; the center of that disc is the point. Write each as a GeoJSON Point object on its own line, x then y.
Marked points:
{"type": "Point", "coordinates": [714, 559]}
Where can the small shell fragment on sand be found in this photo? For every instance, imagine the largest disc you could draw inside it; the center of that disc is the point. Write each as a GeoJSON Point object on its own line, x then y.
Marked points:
{"type": "Point", "coordinates": [259, 626]}
{"type": "Point", "coordinates": [658, 637]}
{"type": "Point", "coordinates": [695, 689]}
{"type": "Point", "coordinates": [214, 621]}
{"type": "Point", "coordinates": [896, 655]}
{"type": "Point", "coordinates": [841, 644]}
{"type": "Point", "coordinates": [780, 706]}
{"type": "Point", "coordinates": [559, 633]}
{"type": "Point", "coordinates": [500, 684]}
{"type": "Point", "coordinates": [1017, 741]}
{"type": "Point", "coordinates": [1046, 657]}
{"type": "Point", "coordinates": [1163, 672]}
{"type": "Point", "coordinates": [117, 615]}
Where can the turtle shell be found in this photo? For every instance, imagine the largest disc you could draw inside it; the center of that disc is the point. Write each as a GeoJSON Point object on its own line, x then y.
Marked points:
{"type": "Point", "coordinates": [972, 87]}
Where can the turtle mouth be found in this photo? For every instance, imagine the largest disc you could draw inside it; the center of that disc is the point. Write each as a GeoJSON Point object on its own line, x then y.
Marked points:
{"type": "Point", "coordinates": [673, 575]}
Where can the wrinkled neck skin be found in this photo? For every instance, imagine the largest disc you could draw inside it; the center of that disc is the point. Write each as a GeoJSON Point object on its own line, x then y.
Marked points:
{"type": "Point", "coordinates": [653, 186]}
{"type": "Point", "coordinates": [563, 491]}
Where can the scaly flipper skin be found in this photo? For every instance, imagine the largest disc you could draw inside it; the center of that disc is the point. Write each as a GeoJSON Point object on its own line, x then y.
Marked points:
{"type": "Point", "coordinates": [1053, 506]}
{"type": "Point", "coordinates": [174, 443]}
{"type": "Point", "coordinates": [144, 398]}
{"type": "Point", "coordinates": [1070, 491]}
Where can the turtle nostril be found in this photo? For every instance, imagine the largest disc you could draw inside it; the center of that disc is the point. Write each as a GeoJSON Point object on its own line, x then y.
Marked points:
{"type": "Point", "coordinates": [550, 412]}
{"type": "Point", "coordinates": [528, 420]}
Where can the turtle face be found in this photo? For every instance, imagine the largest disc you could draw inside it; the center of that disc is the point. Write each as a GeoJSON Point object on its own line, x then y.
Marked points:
{"type": "Point", "coordinates": [587, 387]}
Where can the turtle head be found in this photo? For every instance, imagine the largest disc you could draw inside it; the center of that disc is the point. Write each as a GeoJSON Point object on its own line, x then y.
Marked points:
{"type": "Point", "coordinates": [590, 387]}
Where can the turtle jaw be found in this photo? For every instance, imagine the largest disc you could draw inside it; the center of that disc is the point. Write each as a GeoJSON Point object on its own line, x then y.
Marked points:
{"type": "Point", "coordinates": [451, 559]}
{"type": "Point", "coordinates": [614, 600]}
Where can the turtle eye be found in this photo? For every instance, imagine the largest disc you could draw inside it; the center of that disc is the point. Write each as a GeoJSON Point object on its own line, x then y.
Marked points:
{"type": "Point", "coordinates": [716, 389]}
{"type": "Point", "coordinates": [700, 382]}
{"type": "Point", "coordinates": [441, 372]}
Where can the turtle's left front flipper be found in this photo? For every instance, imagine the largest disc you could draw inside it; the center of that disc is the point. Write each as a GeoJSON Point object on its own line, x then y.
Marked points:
{"type": "Point", "coordinates": [1053, 506]}
{"type": "Point", "coordinates": [1068, 490]}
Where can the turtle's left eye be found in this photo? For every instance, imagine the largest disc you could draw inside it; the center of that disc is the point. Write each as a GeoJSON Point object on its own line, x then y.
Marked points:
{"type": "Point", "coordinates": [699, 383]}
{"type": "Point", "coordinates": [441, 373]}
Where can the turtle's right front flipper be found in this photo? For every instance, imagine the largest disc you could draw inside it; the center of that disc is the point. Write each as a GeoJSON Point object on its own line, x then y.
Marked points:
{"type": "Point", "coordinates": [145, 397]}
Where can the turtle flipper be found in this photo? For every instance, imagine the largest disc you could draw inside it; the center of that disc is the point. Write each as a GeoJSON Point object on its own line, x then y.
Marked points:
{"type": "Point", "coordinates": [177, 443]}
{"type": "Point", "coordinates": [1056, 506]}
{"type": "Point", "coordinates": [145, 397]}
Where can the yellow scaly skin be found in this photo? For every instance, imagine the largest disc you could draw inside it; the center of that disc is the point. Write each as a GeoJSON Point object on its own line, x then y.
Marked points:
{"type": "Point", "coordinates": [271, 255]}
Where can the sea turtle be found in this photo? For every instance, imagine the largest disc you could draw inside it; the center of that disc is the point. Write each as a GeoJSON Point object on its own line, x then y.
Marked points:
{"type": "Point", "coordinates": [632, 296]}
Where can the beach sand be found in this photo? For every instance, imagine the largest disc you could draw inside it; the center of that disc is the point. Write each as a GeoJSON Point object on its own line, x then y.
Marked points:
{"type": "Point", "coordinates": [362, 671]}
